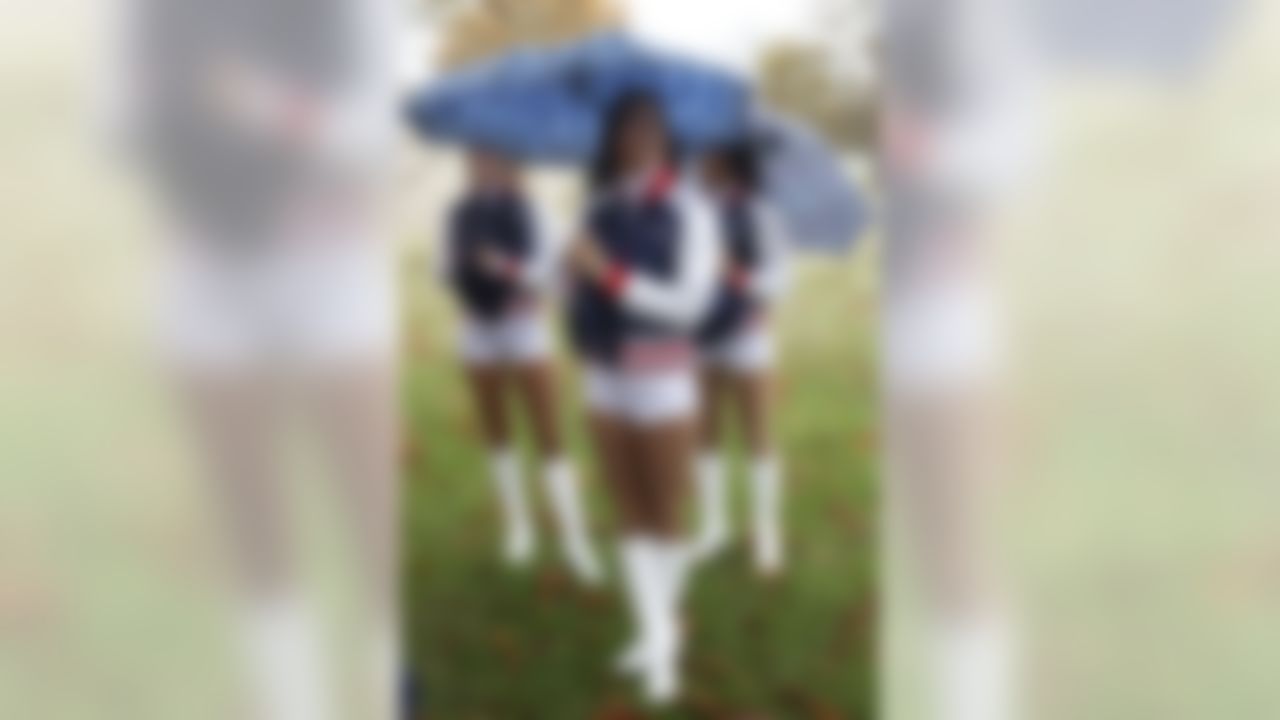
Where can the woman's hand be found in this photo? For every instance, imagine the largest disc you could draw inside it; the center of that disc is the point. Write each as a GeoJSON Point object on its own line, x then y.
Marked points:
{"type": "Point", "coordinates": [587, 259]}
{"type": "Point", "coordinates": [495, 263]}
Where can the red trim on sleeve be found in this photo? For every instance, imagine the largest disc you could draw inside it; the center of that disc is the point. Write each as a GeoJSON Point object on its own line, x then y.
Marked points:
{"type": "Point", "coordinates": [510, 269]}
{"type": "Point", "coordinates": [660, 185]}
{"type": "Point", "coordinates": [615, 280]}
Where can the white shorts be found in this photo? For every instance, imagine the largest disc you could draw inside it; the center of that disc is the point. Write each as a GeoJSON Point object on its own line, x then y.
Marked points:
{"type": "Point", "coordinates": [746, 352]}
{"type": "Point", "coordinates": [643, 398]}
{"type": "Point", "coordinates": [519, 338]}
{"type": "Point", "coordinates": [290, 305]}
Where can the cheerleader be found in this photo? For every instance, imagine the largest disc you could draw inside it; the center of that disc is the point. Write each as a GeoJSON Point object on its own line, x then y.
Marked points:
{"type": "Point", "coordinates": [738, 355]}
{"type": "Point", "coordinates": [647, 263]}
{"type": "Point", "coordinates": [497, 259]}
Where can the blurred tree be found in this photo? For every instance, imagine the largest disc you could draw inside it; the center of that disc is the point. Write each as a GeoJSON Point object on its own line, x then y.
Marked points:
{"type": "Point", "coordinates": [473, 29]}
{"type": "Point", "coordinates": [830, 83]}
{"type": "Point", "coordinates": [798, 79]}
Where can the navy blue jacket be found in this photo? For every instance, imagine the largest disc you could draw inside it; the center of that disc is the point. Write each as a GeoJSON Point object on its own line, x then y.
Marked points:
{"type": "Point", "coordinates": [733, 307]}
{"type": "Point", "coordinates": [503, 223]}
{"type": "Point", "coordinates": [642, 236]}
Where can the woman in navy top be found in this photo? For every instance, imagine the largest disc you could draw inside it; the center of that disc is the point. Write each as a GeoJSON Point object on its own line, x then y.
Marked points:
{"type": "Point", "coordinates": [647, 263]}
{"type": "Point", "coordinates": [738, 353]}
{"type": "Point", "coordinates": [498, 259]}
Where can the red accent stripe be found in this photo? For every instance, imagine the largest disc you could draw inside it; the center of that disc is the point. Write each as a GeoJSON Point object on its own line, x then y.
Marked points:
{"type": "Point", "coordinates": [656, 355]}
{"type": "Point", "coordinates": [510, 269]}
{"type": "Point", "coordinates": [615, 280]}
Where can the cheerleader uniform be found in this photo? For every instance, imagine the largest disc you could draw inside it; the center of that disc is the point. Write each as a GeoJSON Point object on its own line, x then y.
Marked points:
{"type": "Point", "coordinates": [501, 324]}
{"type": "Point", "coordinates": [636, 333]}
{"type": "Point", "coordinates": [736, 338]}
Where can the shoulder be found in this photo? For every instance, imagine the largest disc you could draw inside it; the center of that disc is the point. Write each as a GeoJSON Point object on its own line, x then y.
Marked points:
{"type": "Point", "coordinates": [692, 204]}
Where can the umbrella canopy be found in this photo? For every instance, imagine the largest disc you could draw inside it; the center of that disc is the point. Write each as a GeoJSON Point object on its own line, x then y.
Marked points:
{"type": "Point", "coordinates": [549, 103]}
{"type": "Point", "coordinates": [804, 180]}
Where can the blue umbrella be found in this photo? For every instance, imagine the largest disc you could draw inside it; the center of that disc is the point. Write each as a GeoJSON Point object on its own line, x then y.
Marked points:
{"type": "Point", "coordinates": [804, 180]}
{"type": "Point", "coordinates": [549, 103]}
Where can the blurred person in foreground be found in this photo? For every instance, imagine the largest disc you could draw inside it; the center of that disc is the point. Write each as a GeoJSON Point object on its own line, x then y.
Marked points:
{"type": "Point", "coordinates": [264, 126]}
{"type": "Point", "coordinates": [738, 355]}
{"type": "Point", "coordinates": [958, 139]}
{"type": "Point", "coordinates": [647, 265]}
{"type": "Point", "coordinates": [497, 259]}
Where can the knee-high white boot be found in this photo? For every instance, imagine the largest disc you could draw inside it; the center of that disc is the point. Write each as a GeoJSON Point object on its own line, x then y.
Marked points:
{"type": "Point", "coordinates": [575, 538]}
{"type": "Point", "coordinates": [285, 652]}
{"type": "Point", "coordinates": [713, 530]}
{"type": "Point", "coordinates": [518, 536]}
{"type": "Point", "coordinates": [662, 677]}
{"type": "Point", "coordinates": [766, 482]}
{"type": "Point", "coordinates": [640, 581]}
{"type": "Point", "coordinates": [654, 576]}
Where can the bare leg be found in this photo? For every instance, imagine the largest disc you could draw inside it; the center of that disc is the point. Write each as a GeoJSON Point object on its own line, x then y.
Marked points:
{"type": "Point", "coordinates": [235, 419]}
{"type": "Point", "coordinates": [665, 456]}
{"type": "Point", "coordinates": [537, 387]}
{"type": "Point", "coordinates": [357, 412]}
{"type": "Point", "coordinates": [537, 383]}
{"type": "Point", "coordinates": [755, 393]}
{"type": "Point", "coordinates": [487, 390]}
{"type": "Point", "coordinates": [619, 465]}
{"type": "Point", "coordinates": [358, 416]}
{"type": "Point", "coordinates": [714, 394]}
{"type": "Point", "coordinates": [614, 455]}
{"type": "Point", "coordinates": [713, 525]}
{"type": "Point", "coordinates": [661, 559]}
{"type": "Point", "coordinates": [489, 386]}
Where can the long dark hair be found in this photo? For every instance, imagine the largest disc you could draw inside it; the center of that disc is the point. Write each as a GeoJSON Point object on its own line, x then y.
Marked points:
{"type": "Point", "coordinates": [607, 164]}
{"type": "Point", "coordinates": [741, 160]}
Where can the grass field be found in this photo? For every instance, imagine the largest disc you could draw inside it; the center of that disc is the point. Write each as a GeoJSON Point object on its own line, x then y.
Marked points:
{"type": "Point", "coordinates": [490, 643]}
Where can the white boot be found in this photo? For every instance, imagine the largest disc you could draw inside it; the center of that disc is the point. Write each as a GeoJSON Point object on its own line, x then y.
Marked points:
{"type": "Point", "coordinates": [662, 676]}
{"type": "Point", "coordinates": [566, 504]}
{"type": "Point", "coordinates": [640, 581]}
{"type": "Point", "coordinates": [518, 543]}
{"type": "Point", "coordinates": [713, 531]}
{"type": "Point", "coordinates": [766, 486]}
{"type": "Point", "coordinates": [285, 656]}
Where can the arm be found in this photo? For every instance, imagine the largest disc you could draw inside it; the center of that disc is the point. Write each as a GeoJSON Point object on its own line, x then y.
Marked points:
{"type": "Point", "coordinates": [535, 272]}
{"type": "Point", "coordinates": [539, 270]}
{"type": "Point", "coordinates": [683, 300]}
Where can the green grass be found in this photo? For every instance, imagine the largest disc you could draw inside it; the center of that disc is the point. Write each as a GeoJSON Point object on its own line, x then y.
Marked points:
{"type": "Point", "coordinates": [491, 643]}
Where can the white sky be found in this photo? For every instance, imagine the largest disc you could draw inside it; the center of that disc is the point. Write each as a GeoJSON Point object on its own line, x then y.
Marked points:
{"type": "Point", "coordinates": [731, 32]}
